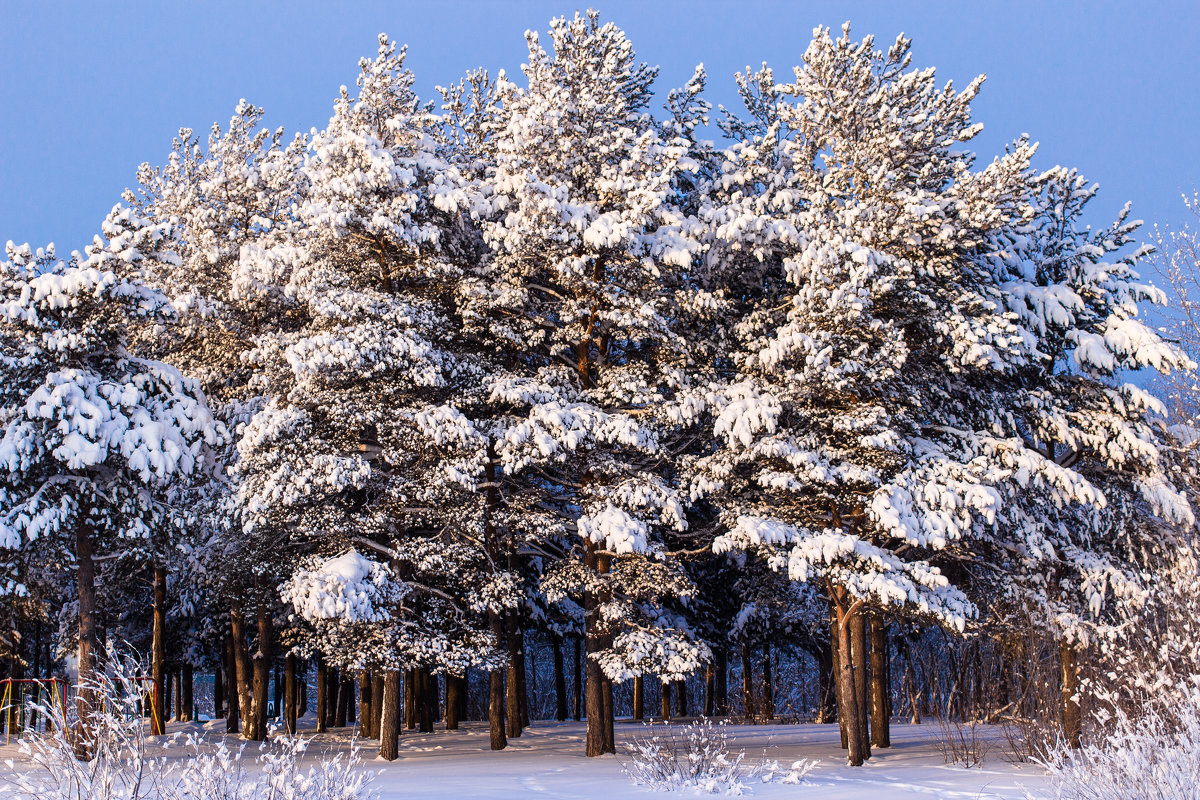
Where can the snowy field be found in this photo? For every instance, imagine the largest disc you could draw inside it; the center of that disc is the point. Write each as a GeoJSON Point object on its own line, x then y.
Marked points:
{"type": "Point", "coordinates": [548, 761]}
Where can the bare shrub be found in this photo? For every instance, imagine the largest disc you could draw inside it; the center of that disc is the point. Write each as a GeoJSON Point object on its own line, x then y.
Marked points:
{"type": "Point", "coordinates": [964, 743]}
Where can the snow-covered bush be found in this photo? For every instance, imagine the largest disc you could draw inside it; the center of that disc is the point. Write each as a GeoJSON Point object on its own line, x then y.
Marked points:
{"type": "Point", "coordinates": [127, 763]}
{"type": "Point", "coordinates": [700, 760]}
{"type": "Point", "coordinates": [1145, 756]}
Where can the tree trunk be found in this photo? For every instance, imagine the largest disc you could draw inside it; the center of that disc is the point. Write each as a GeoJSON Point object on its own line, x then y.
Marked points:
{"type": "Point", "coordinates": [277, 688]}
{"type": "Point", "coordinates": [710, 686]}
{"type": "Point", "coordinates": [257, 727]}
{"type": "Point", "coordinates": [322, 694]}
{"type": "Point", "coordinates": [377, 690]}
{"type": "Point", "coordinates": [496, 726]}
{"type": "Point", "coordinates": [881, 735]}
{"type": "Point", "coordinates": [826, 708]}
{"type": "Point", "coordinates": [839, 698]}
{"type": "Point", "coordinates": [158, 652]}
{"type": "Point", "coordinates": [364, 703]}
{"type": "Point", "coordinates": [664, 697]}
{"type": "Point", "coordinates": [577, 689]}
{"type": "Point", "coordinates": [768, 684]}
{"type": "Point", "coordinates": [639, 698]}
{"type": "Point", "coordinates": [599, 689]}
{"type": "Point", "coordinates": [345, 701]}
{"type": "Point", "coordinates": [747, 684]}
{"type": "Point", "coordinates": [560, 683]}
{"type": "Point", "coordinates": [218, 689]}
{"type": "Point", "coordinates": [177, 678]}
{"type": "Point", "coordinates": [186, 684]}
{"type": "Point", "coordinates": [513, 684]}
{"type": "Point", "coordinates": [427, 699]}
{"type": "Point", "coordinates": [858, 644]}
{"type": "Point", "coordinates": [233, 716]}
{"type": "Point", "coordinates": [681, 698]}
{"type": "Point", "coordinates": [410, 698]}
{"type": "Point", "coordinates": [722, 687]}
{"type": "Point", "coordinates": [389, 726]}
{"type": "Point", "coordinates": [1071, 715]}
{"type": "Point", "coordinates": [848, 712]}
{"type": "Point", "coordinates": [290, 700]}
{"type": "Point", "coordinates": [454, 688]}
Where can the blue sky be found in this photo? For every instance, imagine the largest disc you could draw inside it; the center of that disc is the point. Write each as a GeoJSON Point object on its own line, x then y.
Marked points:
{"type": "Point", "coordinates": [90, 90]}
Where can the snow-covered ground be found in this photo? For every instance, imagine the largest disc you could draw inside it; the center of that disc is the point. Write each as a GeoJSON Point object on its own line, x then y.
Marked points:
{"type": "Point", "coordinates": [548, 761]}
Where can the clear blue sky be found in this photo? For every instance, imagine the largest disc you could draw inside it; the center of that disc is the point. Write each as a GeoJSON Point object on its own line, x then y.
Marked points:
{"type": "Point", "coordinates": [90, 90]}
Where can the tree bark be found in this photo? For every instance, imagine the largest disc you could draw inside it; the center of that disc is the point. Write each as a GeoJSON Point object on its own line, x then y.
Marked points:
{"type": "Point", "coordinates": [377, 690]}
{"type": "Point", "coordinates": [322, 693]}
{"type": "Point", "coordinates": [290, 700]}
{"type": "Point", "coordinates": [233, 715]}
{"type": "Point", "coordinates": [827, 700]}
{"type": "Point", "coordinates": [389, 726]}
{"type": "Point", "coordinates": [427, 699]}
{"type": "Point", "coordinates": [158, 652]}
{"type": "Point", "coordinates": [187, 696]}
{"type": "Point", "coordinates": [219, 688]}
{"type": "Point", "coordinates": [410, 698]}
{"type": "Point", "coordinates": [513, 684]}
{"type": "Point", "coordinates": [560, 682]}
{"type": "Point", "coordinates": [721, 706]}
{"type": "Point", "coordinates": [454, 687]}
{"type": "Point", "coordinates": [257, 729]}
{"type": "Point", "coordinates": [664, 698]}
{"type": "Point", "coordinates": [177, 693]}
{"type": "Point", "coordinates": [848, 712]}
{"type": "Point", "coordinates": [881, 735]}
{"type": "Point", "coordinates": [364, 703]}
{"type": "Point", "coordinates": [710, 685]}
{"type": "Point", "coordinates": [768, 684]}
{"type": "Point", "coordinates": [577, 689]}
{"type": "Point", "coordinates": [681, 698]}
{"type": "Point", "coordinates": [858, 644]}
{"type": "Point", "coordinates": [747, 684]}
{"type": "Point", "coordinates": [639, 698]}
{"type": "Point", "coordinates": [345, 702]}
{"type": "Point", "coordinates": [1071, 715]}
{"type": "Point", "coordinates": [599, 689]}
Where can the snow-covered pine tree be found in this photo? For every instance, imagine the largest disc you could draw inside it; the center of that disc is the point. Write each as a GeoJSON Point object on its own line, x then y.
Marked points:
{"type": "Point", "coordinates": [851, 227]}
{"type": "Point", "coordinates": [93, 436]}
{"type": "Point", "coordinates": [334, 461]}
{"type": "Point", "coordinates": [226, 200]}
{"type": "Point", "coordinates": [575, 314]}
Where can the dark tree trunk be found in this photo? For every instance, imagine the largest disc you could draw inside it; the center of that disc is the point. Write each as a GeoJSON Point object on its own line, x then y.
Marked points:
{"type": "Point", "coordinates": [302, 672]}
{"type": "Point", "coordinates": [710, 687]}
{"type": "Point", "coordinates": [1072, 718]}
{"type": "Point", "coordinates": [496, 726]}
{"type": "Point", "coordinates": [747, 684]}
{"type": "Point", "coordinates": [681, 698]}
{"type": "Point", "coordinates": [599, 688]}
{"type": "Point", "coordinates": [377, 705]}
{"type": "Point", "coordinates": [322, 694]}
{"type": "Point", "coordinates": [410, 699]}
{"type": "Point", "coordinates": [233, 715]}
{"type": "Point", "coordinates": [881, 734]}
{"type": "Point", "coordinates": [262, 675]}
{"type": "Point", "coordinates": [577, 689]}
{"type": "Point", "coordinates": [722, 688]}
{"type": "Point", "coordinates": [454, 688]}
{"type": "Point", "coordinates": [858, 644]}
{"type": "Point", "coordinates": [389, 726]}
{"type": "Point", "coordinates": [768, 684]}
{"type": "Point", "coordinates": [639, 698]}
{"type": "Point", "coordinates": [664, 698]}
{"type": "Point", "coordinates": [560, 683]}
{"type": "Point", "coordinates": [177, 678]}
{"type": "Point", "coordinates": [345, 702]}
{"type": "Point", "coordinates": [364, 703]}
{"type": "Point", "coordinates": [827, 701]}
{"type": "Point", "coordinates": [158, 652]}
{"type": "Point", "coordinates": [186, 685]}
{"type": "Point", "coordinates": [218, 690]}
{"type": "Point", "coordinates": [290, 700]}
{"type": "Point", "coordinates": [277, 689]}
{"type": "Point", "coordinates": [85, 698]}
{"type": "Point", "coordinates": [427, 699]}
{"type": "Point", "coordinates": [512, 711]}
